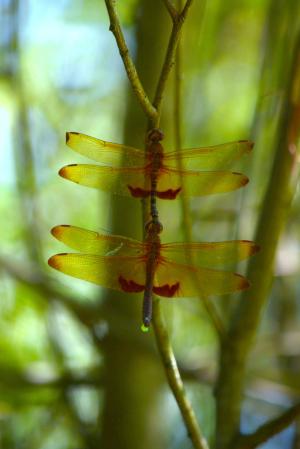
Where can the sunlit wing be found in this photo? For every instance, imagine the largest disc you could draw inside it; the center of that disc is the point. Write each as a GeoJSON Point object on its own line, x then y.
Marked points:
{"type": "Point", "coordinates": [189, 281]}
{"type": "Point", "coordinates": [109, 179]}
{"type": "Point", "coordinates": [197, 183]}
{"type": "Point", "coordinates": [102, 270]}
{"type": "Point", "coordinates": [109, 271]}
{"type": "Point", "coordinates": [209, 158]}
{"type": "Point", "coordinates": [171, 182]}
{"type": "Point", "coordinates": [105, 152]}
{"type": "Point", "coordinates": [210, 255]}
{"type": "Point", "coordinates": [93, 243]}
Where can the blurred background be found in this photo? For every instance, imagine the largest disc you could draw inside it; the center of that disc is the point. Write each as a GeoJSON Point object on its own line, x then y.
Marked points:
{"type": "Point", "coordinates": [75, 370]}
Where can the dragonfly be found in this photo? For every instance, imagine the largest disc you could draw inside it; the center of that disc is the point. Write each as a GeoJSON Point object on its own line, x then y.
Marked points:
{"type": "Point", "coordinates": [125, 170]}
{"type": "Point", "coordinates": [164, 269]}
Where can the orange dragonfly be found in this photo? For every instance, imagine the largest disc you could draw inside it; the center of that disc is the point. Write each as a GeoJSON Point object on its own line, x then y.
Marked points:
{"type": "Point", "coordinates": [127, 265]}
{"type": "Point", "coordinates": [129, 171]}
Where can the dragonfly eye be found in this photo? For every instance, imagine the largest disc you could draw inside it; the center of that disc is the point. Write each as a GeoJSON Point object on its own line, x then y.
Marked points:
{"type": "Point", "coordinates": [155, 135]}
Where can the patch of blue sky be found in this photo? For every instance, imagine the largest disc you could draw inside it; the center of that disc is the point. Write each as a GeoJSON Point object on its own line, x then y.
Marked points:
{"type": "Point", "coordinates": [83, 55]}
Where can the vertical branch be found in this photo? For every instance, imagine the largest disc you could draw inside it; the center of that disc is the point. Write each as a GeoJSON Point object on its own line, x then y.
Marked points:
{"type": "Point", "coordinates": [236, 348]}
{"type": "Point", "coordinates": [160, 330]}
{"type": "Point", "coordinates": [169, 58]}
{"type": "Point", "coordinates": [175, 381]}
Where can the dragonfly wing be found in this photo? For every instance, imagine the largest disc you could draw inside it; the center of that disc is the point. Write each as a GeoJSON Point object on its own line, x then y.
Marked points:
{"type": "Point", "coordinates": [108, 271]}
{"type": "Point", "coordinates": [93, 243]}
{"type": "Point", "coordinates": [209, 158]}
{"type": "Point", "coordinates": [210, 255]}
{"type": "Point", "coordinates": [187, 281]}
{"type": "Point", "coordinates": [121, 181]}
{"type": "Point", "coordinates": [197, 183]}
{"type": "Point", "coordinates": [105, 152]}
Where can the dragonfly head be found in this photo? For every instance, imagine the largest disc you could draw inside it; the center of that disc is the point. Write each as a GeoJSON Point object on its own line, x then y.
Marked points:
{"type": "Point", "coordinates": [155, 135]}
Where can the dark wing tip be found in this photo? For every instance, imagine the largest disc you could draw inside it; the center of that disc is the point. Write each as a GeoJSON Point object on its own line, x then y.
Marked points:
{"type": "Point", "coordinates": [69, 134]}
{"type": "Point", "coordinates": [244, 284]}
{"type": "Point", "coordinates": [254, 247]}
{"type": "Point", "coordinates": [56, 231]}
{"type": "Point", "coordinates": [63, 171]}
{"type": "Point", "coordinates": [244, 179]}
{"type": "Point", "coordinates": [250, 143]}
{"type": "Point", "coordinates": [53, 261]}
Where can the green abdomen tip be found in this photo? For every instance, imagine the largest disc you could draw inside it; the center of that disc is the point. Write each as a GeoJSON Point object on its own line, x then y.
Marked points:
{"type": "Point", "coordinates": [144, 328]}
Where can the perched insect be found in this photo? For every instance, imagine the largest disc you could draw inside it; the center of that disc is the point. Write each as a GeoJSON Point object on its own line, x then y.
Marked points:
{"type": "Point", "coordinates": [127, 265]}
{"type": "Point", "coordinates": [137, 173]}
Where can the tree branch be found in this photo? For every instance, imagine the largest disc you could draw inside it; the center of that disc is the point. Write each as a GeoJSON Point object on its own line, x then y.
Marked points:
{"type": "Point", "coordinates": [268, 430]}
{"type": "Point", "coordinates": [153, 112]}
{"type": "Point", "coordinates": [235, 349]}
{"type": "Point", "coordinates": [129, 65]}
{"type": "Point", "coordinates": [171, 9]}
{"type": "Point", "coordinates": [169, 59]}
{"type": "Point", "coordinates": [174, 379]}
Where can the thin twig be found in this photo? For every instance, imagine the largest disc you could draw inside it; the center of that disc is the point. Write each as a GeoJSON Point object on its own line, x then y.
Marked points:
{"type": "Point", "coordinates": [153, 113]}
{"type": "Point", "coordinates": [269, 429]}
{"type": "Point", "coordinates": [171, 9]}
{"type": "Point", "coordinates": [169, 59]}
{"type": "Point", "coordinates": [185, 10]}
{"type": "Point", "coordinates": [129, 65]}
{"type": "Point", "coordinates": [246, 318]}
{"type": "Point", "coordinates": [174, 379]}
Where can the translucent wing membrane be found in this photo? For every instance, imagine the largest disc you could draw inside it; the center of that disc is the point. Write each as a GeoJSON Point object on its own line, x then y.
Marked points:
{"type": "Point", "coordinates": [214, 254]}
{"type": "Point", "coordinates": [102, 270]}
{"type": "Point", "coordinates": [209, 158]}
{"type": "Point", "coordinates": [133, 177]}
{"type": "Point", "coordinates": [198, 281]}
{"type": "Point", "coordinates": [105, 152]}
{"type": "Point", "coordinates": [123, 180]}
{"type": "Point", "coordinates": [109, 271]}
{"type": "Point", "coordinates": [197, 183]}
{"type": "Point", "coordinates": [91, 242]}
{"type": "Point", "coordinates": [115, 180]}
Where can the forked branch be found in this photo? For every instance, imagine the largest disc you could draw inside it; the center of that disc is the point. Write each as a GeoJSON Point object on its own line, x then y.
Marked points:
{"type": "Point", "coordinates": [153, 113]}
{"type": "Point", "coordinates": [174, 379]}
{"type": "Point", "coordinates": [269, 429]}
{"type": "Point", "coordinates": [170, 56]}
{"type": "Point", "coordinates": [171, 9]}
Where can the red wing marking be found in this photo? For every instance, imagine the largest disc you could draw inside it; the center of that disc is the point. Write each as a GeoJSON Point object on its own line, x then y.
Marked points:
{"type": "Point", "coordinates": [169, 194]}
{"type": "Point", "coordinates": [138, 192]}
{"type": "Point", "coordinates": [167, 290]}
{"type": "Point", "coordinates": [130, 286]}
